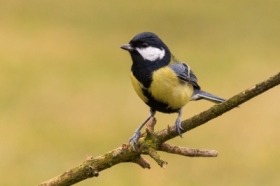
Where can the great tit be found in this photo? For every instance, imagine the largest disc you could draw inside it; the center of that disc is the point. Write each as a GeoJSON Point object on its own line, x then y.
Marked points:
{"type": "Point", "coordinates": [164, 83]}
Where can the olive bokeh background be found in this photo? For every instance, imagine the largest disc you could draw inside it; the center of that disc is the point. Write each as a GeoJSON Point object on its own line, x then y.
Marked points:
{"type": "Point", "coordinates": [66, 93]}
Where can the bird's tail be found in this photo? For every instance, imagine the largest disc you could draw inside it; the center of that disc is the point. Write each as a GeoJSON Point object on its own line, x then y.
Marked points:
{"type": "Point", "coordinates": [200, 94]}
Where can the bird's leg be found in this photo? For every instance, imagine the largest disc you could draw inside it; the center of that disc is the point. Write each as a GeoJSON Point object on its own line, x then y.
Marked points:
{"type": "Point", "coordinates": [178, 123]}
{"type": "Point", "coordinates": [137, 133]}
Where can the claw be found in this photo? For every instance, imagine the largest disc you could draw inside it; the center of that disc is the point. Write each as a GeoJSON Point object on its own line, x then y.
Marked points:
{"type": "Point", "coordinates": [178, 125]}
{"type": "Point", "coordinates": [137, 134]}
{"type": "Point", "coordinates": [134, 139]}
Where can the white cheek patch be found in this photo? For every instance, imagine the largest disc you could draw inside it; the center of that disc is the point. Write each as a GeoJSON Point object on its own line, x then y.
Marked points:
{"type": "Point", "coordinates": [151, 53]}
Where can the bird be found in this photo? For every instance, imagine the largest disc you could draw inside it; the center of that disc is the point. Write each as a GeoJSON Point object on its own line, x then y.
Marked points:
{"type": "Point", "coordinates": [164, 83]}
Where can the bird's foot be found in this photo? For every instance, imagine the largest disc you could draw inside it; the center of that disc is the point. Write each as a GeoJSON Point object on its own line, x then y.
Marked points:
{"type": "Point", "coordinates": [134, 139]}
{"type": "Point", "coordinates": [178, 126]}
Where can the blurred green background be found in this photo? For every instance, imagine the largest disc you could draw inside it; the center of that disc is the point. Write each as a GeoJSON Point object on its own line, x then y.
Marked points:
{"type": "Point", "coordinates": [66, 93]}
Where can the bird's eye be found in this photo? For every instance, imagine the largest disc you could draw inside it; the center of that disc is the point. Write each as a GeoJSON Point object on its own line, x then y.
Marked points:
{"type": "Point", "coordinates": [144, 45]}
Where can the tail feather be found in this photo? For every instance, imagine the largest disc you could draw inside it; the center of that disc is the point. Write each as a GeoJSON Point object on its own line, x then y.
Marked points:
{"type": "Point", "coordinates": [200, 94]}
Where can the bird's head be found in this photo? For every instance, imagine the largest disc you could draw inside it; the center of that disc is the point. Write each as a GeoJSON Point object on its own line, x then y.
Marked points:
{"type": "Point", "coordinates": [147, 47]}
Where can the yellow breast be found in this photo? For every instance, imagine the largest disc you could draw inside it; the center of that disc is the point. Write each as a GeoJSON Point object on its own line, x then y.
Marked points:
{"type": "Point", "coordinates": [166, 87]}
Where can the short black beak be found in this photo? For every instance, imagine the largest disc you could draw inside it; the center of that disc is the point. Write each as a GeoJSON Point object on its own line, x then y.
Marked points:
{"type": "Point", "coordinates": [127, 47]}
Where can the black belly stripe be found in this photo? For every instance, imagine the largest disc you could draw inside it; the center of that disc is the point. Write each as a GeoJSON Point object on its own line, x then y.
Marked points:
{"type": "Point", "coordinates": [157, 105]}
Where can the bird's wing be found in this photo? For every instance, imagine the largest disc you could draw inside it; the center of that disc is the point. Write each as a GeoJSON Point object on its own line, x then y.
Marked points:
{"type": "Point", "coordinates": [184, 72]}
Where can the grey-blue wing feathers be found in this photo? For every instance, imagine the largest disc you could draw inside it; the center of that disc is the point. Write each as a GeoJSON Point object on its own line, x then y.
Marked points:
{"type": "Point", "coordinates": [184, 72]}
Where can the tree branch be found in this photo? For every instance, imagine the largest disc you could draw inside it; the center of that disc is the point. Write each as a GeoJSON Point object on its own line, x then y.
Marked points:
{"type": "Point", "coordinates": [185, 151]}
{"type": "Point", "coordinates": [151, 141]}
